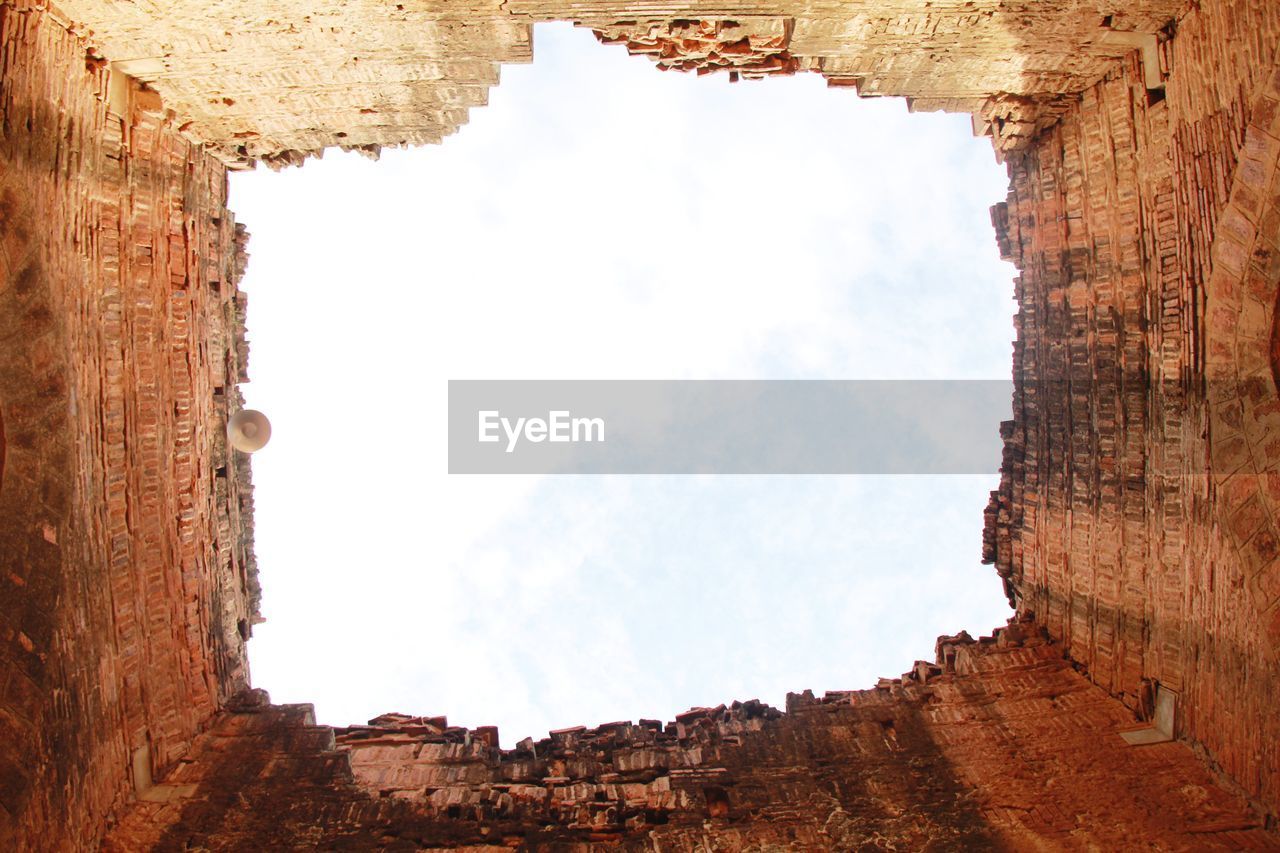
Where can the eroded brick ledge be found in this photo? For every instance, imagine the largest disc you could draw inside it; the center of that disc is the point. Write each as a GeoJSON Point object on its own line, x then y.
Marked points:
{"type": "Point", "coordinates": [996, 743]}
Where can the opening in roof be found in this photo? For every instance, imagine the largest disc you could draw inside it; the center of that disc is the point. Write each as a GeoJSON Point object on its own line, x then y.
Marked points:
{"type": "Point", "coordinates": [598, 220]}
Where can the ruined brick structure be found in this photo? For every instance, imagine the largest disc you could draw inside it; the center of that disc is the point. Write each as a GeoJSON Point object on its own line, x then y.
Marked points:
{"type": "Point", "coordinates": [1137, 524]}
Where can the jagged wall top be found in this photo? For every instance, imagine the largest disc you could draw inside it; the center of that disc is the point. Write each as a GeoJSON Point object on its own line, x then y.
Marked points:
{"type": "Point", "coordinates": [282, 80]}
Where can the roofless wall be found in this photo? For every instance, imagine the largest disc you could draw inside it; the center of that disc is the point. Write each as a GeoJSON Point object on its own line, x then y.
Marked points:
{"type": "Point", "coordinates": [1136, 523]}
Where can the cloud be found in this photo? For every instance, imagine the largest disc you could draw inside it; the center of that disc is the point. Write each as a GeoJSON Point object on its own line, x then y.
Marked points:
{"type": "Point", "coordinates": [600, 219]}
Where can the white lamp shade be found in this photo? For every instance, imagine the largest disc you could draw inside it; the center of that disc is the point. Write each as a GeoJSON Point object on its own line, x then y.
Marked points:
{"type": "Point", "coordinates": [248, 430]}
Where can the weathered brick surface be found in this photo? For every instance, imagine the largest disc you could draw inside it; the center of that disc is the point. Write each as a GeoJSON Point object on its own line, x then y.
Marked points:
{"type": "Point", "coordinates": [1000, 745]}
{"type": "Point", "coordinates": [1133, 516]}
{"type": "Point", "coordinates": [125, 565]}
{"type": "Point", "coordinates": [289, 79]}
{"type": "Point", "coordinates": [752, 48]}
{"type": "Point", "coordinates": [1136, 518]}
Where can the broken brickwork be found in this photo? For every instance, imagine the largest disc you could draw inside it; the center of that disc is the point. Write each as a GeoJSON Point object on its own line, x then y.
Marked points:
{"type": "Point", "coordinates": [362, 76]}
{"type": "Point", "coordinates": [998, 744]}
{"type": "Point", "coordinates": [754, 50]}
{"type": "Point", "coordinates": [1135, 526]}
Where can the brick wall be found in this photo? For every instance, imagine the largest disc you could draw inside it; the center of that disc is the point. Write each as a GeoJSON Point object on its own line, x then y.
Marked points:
{"type": "Point", "coordinates": [1115, 523]}
{"type": "Point", "coordinates": [1136, 518]}
{"type": "Point", "coordinates": [363, 75]}
{"type": "Point", "coordinates": [999, 745]}
{"type": "Point", "coordinates": [126, 585]}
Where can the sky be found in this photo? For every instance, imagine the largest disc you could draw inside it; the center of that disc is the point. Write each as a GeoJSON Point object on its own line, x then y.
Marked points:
{"type": "Point", "coordinates": [600, 219]}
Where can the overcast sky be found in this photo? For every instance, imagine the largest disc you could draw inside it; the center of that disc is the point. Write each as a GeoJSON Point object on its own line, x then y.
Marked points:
{"type": "Point", "coordinates": [601, 219]}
